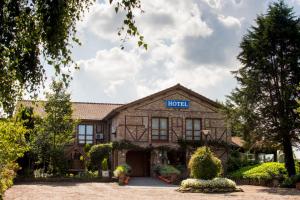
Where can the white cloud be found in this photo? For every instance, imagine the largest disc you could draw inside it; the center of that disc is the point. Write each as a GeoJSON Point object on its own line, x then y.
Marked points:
{"type": "Point", "coordinates": [229, 21]}
{"type": "Point", "coordinates": [194, 43]}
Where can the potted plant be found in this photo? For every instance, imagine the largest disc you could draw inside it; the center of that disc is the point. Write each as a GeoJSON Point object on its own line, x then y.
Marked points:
{"type": "Point", "coordinates": [122, 172]}
{"type": "Point", "coordinates": [105, 171]}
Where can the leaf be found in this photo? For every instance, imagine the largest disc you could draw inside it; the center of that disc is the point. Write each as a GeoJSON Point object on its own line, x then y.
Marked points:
{"type": "Point", "coordinates": [145, 46]}
{"type": "Point", "coordinates": [140, 43]}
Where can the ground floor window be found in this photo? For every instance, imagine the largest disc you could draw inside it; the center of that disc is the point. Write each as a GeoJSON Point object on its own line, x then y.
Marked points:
{"type": "Point", "coordinates": [159, 129]}
{"type": "Point", "coordinates": [193, 129]}
{"type": "Point", "coordinates": [85, 134]}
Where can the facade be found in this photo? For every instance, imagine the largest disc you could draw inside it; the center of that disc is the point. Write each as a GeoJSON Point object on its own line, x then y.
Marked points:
{"type": "Point", "coordinates": [156, 125]}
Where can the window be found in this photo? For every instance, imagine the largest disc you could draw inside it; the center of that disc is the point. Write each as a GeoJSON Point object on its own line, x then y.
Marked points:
{"type": "Point", "coordinates": [160, 129]}
{"type": "Point", "coordinates": [100, 132]}
{"type": "Point", "coordinates": [85, 134]}
{"type": "Point", "coordinates": [193, 129]}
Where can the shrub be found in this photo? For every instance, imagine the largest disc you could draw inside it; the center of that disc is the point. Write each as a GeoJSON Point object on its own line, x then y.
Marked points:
{"type": "Point", "coordinates": [236, 161]}
{"type": "Point", "coordinates": [104, 164]}
{"type": "Point", "coordinates": [7, 174]}
{"type": "Point", "coordinates": [213, 185]}
{"type": "Point", "coordinates": [290, 182]}
{"type": "Point", "coordinates": [204, 165]}
{"type": "Point", "coordinates": [58, 162]}
{"type": "Point", "coordinates": [166, 170]}
{"type": "Point", "coordinates": [97, 153]}
{"type": "Point", "coordinates": [264, 171]}
{"type": "Point", "coordinates": [124, 169]}
{"type": "Point", "coordinates": [40, 173]}
{"type": "Point", "coordinates": [87, 175]}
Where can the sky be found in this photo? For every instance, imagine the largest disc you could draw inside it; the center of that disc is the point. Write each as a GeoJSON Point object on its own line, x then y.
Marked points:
{"type": "Point", "coordinates": [192, 42]}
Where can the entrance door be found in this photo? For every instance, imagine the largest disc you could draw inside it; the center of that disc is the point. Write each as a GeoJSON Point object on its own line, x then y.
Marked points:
{"type": "Point", "coordinates": [139, 162]}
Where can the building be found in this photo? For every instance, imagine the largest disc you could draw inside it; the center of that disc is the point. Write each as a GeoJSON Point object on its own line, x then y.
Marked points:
{"type": "Point", "coordinates": [152, 129]}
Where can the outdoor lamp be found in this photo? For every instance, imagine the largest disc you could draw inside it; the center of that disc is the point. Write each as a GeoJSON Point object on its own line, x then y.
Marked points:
{"type": "Point", "coordinates": [206, 133]}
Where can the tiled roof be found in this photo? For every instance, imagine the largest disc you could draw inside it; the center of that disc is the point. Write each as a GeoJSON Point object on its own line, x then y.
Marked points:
{"type": "Point", "coordinates": [81, 110]}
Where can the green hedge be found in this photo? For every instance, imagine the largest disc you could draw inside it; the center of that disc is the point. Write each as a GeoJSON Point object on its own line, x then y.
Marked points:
{"type": "Point", "coordinates": [166, 170]}
{"type": "Point", "coordinates": [264, 171]}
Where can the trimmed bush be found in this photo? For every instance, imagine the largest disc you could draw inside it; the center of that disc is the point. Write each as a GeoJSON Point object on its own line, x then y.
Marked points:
{"type": "Point", "coordinates": [204, 165]}
{"type": "Point", "coordinates": [97, 153]}
{"type": "Point", "coordinates": [214, 185]}
{"type": "Point", "coordinates": [264, 171]}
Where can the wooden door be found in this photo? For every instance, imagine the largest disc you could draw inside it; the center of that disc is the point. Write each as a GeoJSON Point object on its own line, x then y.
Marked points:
{"type": "Point", "coordinates": [139, 162]}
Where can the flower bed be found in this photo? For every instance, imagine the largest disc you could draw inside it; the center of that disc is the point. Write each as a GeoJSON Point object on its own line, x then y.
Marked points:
{"type": "Point", "coordinates": [208, 186]}
{"type": "Point", "coordinates": [167, 173]}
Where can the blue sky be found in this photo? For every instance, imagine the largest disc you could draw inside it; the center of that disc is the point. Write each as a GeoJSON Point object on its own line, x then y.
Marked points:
{"type": "Point", "coordinates": [194, 43]}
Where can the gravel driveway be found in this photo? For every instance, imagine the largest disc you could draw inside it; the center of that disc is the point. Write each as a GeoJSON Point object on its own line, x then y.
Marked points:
{"type": "Point", "coordinates": [137, 191]}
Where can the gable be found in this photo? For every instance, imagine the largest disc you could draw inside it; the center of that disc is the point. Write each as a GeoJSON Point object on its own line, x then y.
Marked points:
{"type": "Point", "coordinates": [178, 100]}
{"type": "Point", "coordinates": [156, 101]}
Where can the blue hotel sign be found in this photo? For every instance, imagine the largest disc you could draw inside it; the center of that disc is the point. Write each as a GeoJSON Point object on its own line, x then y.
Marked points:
{"type": "Point", "coordinates": [177, 103]}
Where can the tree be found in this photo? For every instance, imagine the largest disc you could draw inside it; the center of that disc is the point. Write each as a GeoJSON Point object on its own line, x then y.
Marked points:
{"type": "Point", "coordinates": [56, 128]}
{"type": "Point", "coordinates": [34, 31]}
{"type": "Point", "coordinates": [267, 92]}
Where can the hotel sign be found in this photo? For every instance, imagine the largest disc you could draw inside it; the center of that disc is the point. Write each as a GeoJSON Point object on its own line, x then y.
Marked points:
{"type": "Point", "coordinates": [177, 103]}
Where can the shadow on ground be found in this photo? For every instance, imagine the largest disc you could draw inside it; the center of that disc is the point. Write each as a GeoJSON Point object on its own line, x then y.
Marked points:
{"type": "Point", "coordinates": [281, 191]}
{"type": "Point", "coordinates": [149, 182]}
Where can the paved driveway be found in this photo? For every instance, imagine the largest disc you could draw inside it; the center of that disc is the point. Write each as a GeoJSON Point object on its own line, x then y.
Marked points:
{"type": "Point", "coordinates": [139, 189]}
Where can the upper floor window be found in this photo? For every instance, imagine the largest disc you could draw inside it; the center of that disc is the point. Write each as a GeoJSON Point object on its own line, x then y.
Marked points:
{"type": "Point", "coordinates": [160, 129]}
{"type": "Point", "coordinates": [193, 129]}
{"type": "Point", "coordinates": [85, 134]}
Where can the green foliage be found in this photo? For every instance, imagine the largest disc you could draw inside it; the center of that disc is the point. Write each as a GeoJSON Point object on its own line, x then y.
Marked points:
{"type": "Point", "coordinates": [98, 153]}
{"type": "Point", "coordinates": [265, 171]}
{"type": "Point", "coordinates": [204, 165]}
{"type": "Point", "coordinates": [58, 123]}
{"type": "Point", "coordinates": [265, 101]}
{"type": "Point", "coordinates": [290, 182]}
{"type": "Point", "coordinates": [124, 144]}
{"type": "Point", "coordinates": [54, 130]}
{"type": "Point", "coordinates": [216, 183]}
{"type": "Point", "coordinates": [12, 146]}
{"type": "Point", "coordinates": [7, 174]}
{"type": "Point", "coordinates": [104, 164]}
{"type": "Point", "coordinates": [122, 170]}
{"type": "Point", "coordinates": [87, 175]}
{"type": "Point", "coordinates": [166, 170]}
{"type": "Point", "coordinates": [12, 141]}
{"type": "Point", "coordinates": [44, 30]}
{"type": "Point", "coordinates": [58, 162]}
{"type": "Point", "coordinates": [235, 161]}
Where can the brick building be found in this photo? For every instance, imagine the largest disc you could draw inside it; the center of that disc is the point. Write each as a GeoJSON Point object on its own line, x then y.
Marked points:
{"type": "Point", "coordinates": [158, 124]}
